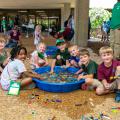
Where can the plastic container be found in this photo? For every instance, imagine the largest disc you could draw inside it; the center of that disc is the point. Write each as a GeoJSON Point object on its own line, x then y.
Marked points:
{"type": "Point", "coordinates": [51, 50]}
{"type": "Point", "coordinates": [57, 87]}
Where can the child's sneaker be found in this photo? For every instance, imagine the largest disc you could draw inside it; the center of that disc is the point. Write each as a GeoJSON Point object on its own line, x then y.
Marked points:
{"type": "Point", "coordinates": [84, 87]}
{"type": "Point", "coordinates": [117, 97]}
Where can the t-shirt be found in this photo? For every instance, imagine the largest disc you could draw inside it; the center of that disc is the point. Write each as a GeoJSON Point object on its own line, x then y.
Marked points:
{"type": "Point", "coordinates": [65, 55]}
{"type": "Point", "coordinates": [66, 32]}
{"type": "Point", "coordinates": [107, 72]}
{"type": "Point", "coordinates": [75, 58]}
{"type": "Point", "coordinates": [15, 36]}
{"type": "Point", "coordinates": [35, 55]}
{"type": "Point", "coordinates": [37, 37]}
{"type": "Point", "coordinates": [91, 68]}
{"type": "Point", "coordinates": [12, 71]}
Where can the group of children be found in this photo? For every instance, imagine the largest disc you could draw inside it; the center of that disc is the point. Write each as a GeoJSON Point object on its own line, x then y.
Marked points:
{"type": "Point", "coordinates": [105, 78]}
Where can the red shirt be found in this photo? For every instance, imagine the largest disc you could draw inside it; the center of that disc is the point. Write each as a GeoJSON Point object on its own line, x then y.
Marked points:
{"type": "Point", "coordinates": [66, 32]}
{"type": "Point", "coordinates": [107, 72]}
{"type": "Point", "coordinates": [15, 36]}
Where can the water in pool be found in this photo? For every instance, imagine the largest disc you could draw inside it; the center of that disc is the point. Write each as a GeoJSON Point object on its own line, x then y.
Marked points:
{"type": "Point", "coordinates": [59, 78]}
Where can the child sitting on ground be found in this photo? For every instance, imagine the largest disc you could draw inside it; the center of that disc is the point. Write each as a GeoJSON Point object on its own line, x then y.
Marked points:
{"type": "Point", "coordinates": [108, 73]}
{"type": "Point", "coordinates": [75, 53]}
{"type": "Point", "coordinates": [4, 55]}
{"type": "Point", "coordinates": [75, 57]}
{"type": "Point", "coordinates": [15, 70]}
{"type": "Point", "coordinates": [61, 56]}
{"type": "Point", "coordinates": [89, 69]}
{"type": "Point", "coordinates": [39, 57]}
{"type": "Point", "coordinates": [37, 35]}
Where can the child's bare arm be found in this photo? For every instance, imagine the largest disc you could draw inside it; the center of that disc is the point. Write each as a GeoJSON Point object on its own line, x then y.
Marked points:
{"type": "Point", "coordinates": [1, 69]}
{"type": "Point", "coordinates": [36, 61]}
{"type": "Point", "coordinates": [85, 76]}
{"type": "Point", "coordinates": [6, 61]}
{"type": "Point", "coordinates": [32, 74]}
{"type": "Point", "coordinates": [106, 84]}
{"type": "Point", "coordinates": [79, 71]}
{"type": "Point", "coordinates": [117, 71]}
{"type": "Point", "coordinates": [53, 65]}
{"type": "Point", "coordinates": [67, 63]}
{"type": "Point", "coordinates": [46, 61]}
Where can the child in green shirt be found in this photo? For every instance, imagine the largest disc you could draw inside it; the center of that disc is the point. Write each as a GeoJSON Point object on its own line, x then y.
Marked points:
{"type": "Point", "coordinates": [61, 56]}
{"type": "Point", "coordinates": [89, 68]}
{"type": "Point", "coordinates": [4, 55]}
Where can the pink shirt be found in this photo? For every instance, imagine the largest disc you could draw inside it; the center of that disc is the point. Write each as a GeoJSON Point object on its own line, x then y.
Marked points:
{"type": "Point", "coordinates": [107, 72]}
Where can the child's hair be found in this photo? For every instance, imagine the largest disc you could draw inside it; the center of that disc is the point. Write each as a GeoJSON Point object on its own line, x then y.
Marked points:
{"type": "Point", "coordinates": [16, 50]}
{"type": "Point", "coordinates": [73, 47]}
{"type": "Point", "coordinates": [84, 52]}
{"type": "Point", "coordinates": [105, 49]}
{"type": "Point", "coordinates": [2, 39]}
{"type": "Point", "coordinates": [38, 27]}
{"type": "Point", "coordinates": [41, 43]}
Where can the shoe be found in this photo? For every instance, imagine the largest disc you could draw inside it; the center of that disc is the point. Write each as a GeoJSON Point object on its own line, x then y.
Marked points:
{"type": "Point", "coordinates": [117, 97]}
{"type": "Point", "coordinates": [84, 87]}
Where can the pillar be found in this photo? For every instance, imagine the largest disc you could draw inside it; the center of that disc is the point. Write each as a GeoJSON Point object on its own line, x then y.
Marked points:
{"type": "Point", "coordinates": [65, 12]}
{"type": "Point", "coordinates": [81, 22]}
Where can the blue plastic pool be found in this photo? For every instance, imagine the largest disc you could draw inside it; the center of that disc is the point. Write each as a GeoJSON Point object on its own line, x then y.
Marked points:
{"type": "Point", "coordinates": [57, 87]}
{"type": "Point", "coordinates": [50, 50]}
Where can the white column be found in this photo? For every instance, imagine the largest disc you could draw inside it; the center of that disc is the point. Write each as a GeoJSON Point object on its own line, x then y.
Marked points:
{"type": "Point", "coordinates": [81, 22]}
{"type": "Point", "coordinates": [65, 12]}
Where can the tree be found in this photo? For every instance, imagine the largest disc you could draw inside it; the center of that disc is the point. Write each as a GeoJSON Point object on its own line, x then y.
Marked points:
{"type": "Point", "coordinates": [97, 16]}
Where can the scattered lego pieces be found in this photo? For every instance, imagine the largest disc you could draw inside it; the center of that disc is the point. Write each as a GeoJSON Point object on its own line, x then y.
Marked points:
{"type": "Point", "coordinates": [29, 117]}
{"type": "Point", "coordinates": [53, 100]}
{"type": "Point", "coordinates": [118, 108]}
{"type": "Point", "coordinates": [53, 118]}
{"type": "Point", "coordinates": [78, 104]}
{"type": "Point", "coordinates": [100, 117]}
{"type": "Point", "coordinates": [115, 111]}
{"type": "Point", "coordinates": [90, 99]}
{"type": "Point", "coordinates": [91, 103]}
{"type": "Point", "coordinates": [33, 96]}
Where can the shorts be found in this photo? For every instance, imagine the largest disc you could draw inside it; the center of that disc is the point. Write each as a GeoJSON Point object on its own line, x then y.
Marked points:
{"type": "Point", "coordinates": [98, 84]}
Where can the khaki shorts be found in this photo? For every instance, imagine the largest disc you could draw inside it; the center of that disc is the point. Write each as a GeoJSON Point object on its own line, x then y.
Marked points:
{"type": "Point", "coordinates": [98, 84]}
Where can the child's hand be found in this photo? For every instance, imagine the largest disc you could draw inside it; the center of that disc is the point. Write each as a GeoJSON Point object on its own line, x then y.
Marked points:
{"type": "Point", "coordinates": [51, 72]}
{"type": "Point", "coordinates": [77, 73]}
{"type": "Point", "coordinates": [58, 57]}
{"type": "Point", "coordinates": [107, 86]}
{"type": "Point", "coordinates": [72, 62]}
{"type": "Point", "coordinates": [80, 77]}
{"type": "Point", "coordinates": [80, 63]}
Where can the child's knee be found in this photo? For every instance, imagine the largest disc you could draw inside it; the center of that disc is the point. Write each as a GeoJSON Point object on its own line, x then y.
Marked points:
{"type": "Point", "coordinates": [99, 91]}
{"type": "Point", "coordinates": [89, 81]}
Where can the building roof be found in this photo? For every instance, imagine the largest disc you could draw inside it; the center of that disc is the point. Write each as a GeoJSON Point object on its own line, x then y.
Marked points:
{"type": "Point", "coordinates": [42, 4]}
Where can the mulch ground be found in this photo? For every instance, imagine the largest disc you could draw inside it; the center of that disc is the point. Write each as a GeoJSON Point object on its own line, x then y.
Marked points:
{"type": "Point", "coordinates": [40, 105]}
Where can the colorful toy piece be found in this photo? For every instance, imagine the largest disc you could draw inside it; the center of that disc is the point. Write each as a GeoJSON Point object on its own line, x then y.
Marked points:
{"type": "Point", "coordinates": [14, 88]}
